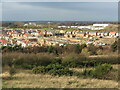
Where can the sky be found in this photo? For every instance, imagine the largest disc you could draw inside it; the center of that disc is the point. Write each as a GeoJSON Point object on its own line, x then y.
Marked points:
{"type": "Point", "coordinates": [60, 0]}
{"type": "Point", "coordinates": [59, 11]}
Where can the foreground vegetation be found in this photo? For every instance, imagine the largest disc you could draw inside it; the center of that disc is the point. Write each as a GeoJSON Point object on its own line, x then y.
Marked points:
{"type": "Point", "coordinates": [46, 70]}
{"type": "Point", "coordinates": [27, 79]}
{"type": "Point", "coordinates": [72, 66]}
{"type": "Point", "coordinates": [28, 61]}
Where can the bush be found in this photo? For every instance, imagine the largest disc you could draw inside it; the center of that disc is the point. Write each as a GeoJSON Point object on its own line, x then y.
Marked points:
{"type": "Point", "coordinates": [57, 69]}
{"type": "Point", "coordinates": [105, 59]}
{"type": "Point", "coordinates": [53, 69]}
{"type": "Point", "coordinates": [88, 63]}
{"type": "Point", "coordinates": [54, 66]}
{"type": "Point", "coordinates": [92, 49]}
{"type": "Point", "coordinates": [39, 69]}
{"type": "Point", "coordinates": [50, 49]}
{"type": "Point", "coordinates": [69, 61]}
{"type": "Point", "coordinates": [85, 52]}
{"type": "Point", "coordinates": [61, 72]}
{"type": "Point", "coordinates": [27, 60]}
{"type": "Point", "coordinates": [99, 72]}
{"type": "Point", "coordinates": [72, 60]}
{"type": "Point", "coordinates": [99, 52]}
{"type": "Point", "coordinates": [114, 46]}
{"type": "Point", "coordinates": [24, 66]}
{"type": "Point", "coordinates": [12, 71]}
{"type": "Point", "coordinates": [70, 48]}
{"type": "Point", "coordinates": [57, 61]}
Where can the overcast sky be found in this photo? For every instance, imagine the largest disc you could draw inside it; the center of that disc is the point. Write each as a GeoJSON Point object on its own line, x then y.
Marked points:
{"type": "Point", "coordinates": [60, 11]}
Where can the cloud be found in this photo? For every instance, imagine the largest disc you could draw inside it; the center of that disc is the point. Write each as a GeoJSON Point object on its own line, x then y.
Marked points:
{"type": "Point", "coordinates": [61, 11]}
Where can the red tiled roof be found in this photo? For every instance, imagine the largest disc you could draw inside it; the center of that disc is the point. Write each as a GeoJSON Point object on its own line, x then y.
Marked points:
{"type": "Point", "coordinates": [112, 32]}
{"type": "Point", "coordinates": [26, 41]}
{"type": "Point", "coordinates": [27, 34]}
{"type": "Point", "coordinates": [3, 41]}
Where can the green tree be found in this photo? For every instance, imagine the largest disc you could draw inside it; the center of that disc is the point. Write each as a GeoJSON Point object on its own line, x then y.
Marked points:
{"type": "Point", "coordinates": [85, 52]}
{"type": "Point", "coordinates": [83, 45]}
{"type": "Point", "coordinates": [92, 49]}
{"type": "Point", "coordinates": [50, 49]}
{"type": "Point", "coordinates": [114, 46]}
{"type": "Point", "coordinates": [78, 48]}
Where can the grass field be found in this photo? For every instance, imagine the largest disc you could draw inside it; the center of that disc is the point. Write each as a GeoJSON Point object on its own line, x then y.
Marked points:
{"type": "Point", "coordinates": [26, 79]}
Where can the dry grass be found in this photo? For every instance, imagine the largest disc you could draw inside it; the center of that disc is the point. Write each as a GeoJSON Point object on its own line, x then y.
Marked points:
{"type": "Point", "coordinates": [25, 79]}
{"type": "Point", "coordinates": [116, 66]}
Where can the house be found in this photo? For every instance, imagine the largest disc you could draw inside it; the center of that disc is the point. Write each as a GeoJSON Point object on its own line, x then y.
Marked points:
{"type": "Point", "coordinates": [69, 32]}
{"type": "Point", "coordinates": [9, 33]}
{"type": "Point", "coordinates": [35, 33]}
{"type": "Point", "coordinates": [15, 34]}
{"type": "Point", "coordinates": [62, 26]}
{"type": "Point", "coordinates": [112, 34]}
{"type": "Point", "coordinates": [99, 26]}
{"type": "Point", "coordinates": [41, 41]}
{"type": "Point", "coordinates": [93, 33]}
{"type": "Point", "coordinates": [106, 33]}
{"type": "Point", "coordinates": [49, 33]}
{"type": "Point", "coordinates": [26, 35]}
{"type": "Point", "coordinates": [73, 26]}
{"type": "Point", "coordinates": [62, 32]}
{"type": "Point", "coordinates": [117, 34]}
{"type": "Point", "coordinates": [80, 34]}
{"type": "Point", "coordinates": [84, 27]}
{"type": "Point", "coordinates": [3, 42]}
{"type": "Point", "coordinates": [89, 42]}
{"type": "Point", "coordinates": [24, 43]}
{"type": "Point", "coordinates": [94, 26]}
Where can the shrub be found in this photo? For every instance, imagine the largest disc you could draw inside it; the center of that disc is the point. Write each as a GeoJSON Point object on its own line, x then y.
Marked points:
{"type": "Point", "coordinates": [114, 46]}
{"type": "Point", "coordinates": [99, 52]}
{"type": "Point", "coordinates": [83, 45]}
{"type": "Point", "coordinates": [24, 66]}
{"type": "Point", "coordinates": [39, 69]}
{"type": "Point", "coordinates": [54, 66]}
{"type": "Point", "coordinates": [85, 52]}
{"type": "Point", "coordinates": [99, 72]}
{"type": "Point", "coordinates": [57, 69]}
{"type": "Point", "coordinates": [74, 60]}
{"type": "Point", "coordinates": [57, 61]}
{"type": "Point", "coordinates": [88, 63]}
{"type": "Point", "coordinates": [9, 59]}
{"type": "Point", "coordinates": [92, 49]}
{"type": "Point", "coordinates": [27, 60]}
{"type": "Point", "coordinates": [53, 69]}
{"type": "Point", "coordinates": [71, 60]}
{"type": "Point", "coordinates": [70, 48]}
{"type": "Point", "coordinates": [105, 59]}
{"type": "Point", "coordinates": [12, 71]}
{"type": "Point", "coordinates": [50, 49]}
{"type": "Point", "coordinates": [61, 72]}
